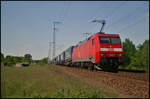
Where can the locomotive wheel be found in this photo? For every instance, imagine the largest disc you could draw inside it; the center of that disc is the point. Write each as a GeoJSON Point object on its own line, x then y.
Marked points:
{"type": "Point", "coordinates": [111, 68]}
{"type": "Point", "coordinates": [115, 68]}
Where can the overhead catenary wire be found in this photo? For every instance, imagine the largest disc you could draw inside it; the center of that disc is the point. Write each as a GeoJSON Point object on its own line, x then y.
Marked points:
{"type": "Point", "coordinates": [96, 11]}
{"type": "Point", "coordinates": [65, 11]}
{"type": "Point", "coordinates": [130, 26]}
{"type": "Point", "coordinates": [115, 10]}
{"type": "Point", "coordinates": [134, 17]}
{"type": "Point", "coordinates": [133, 24]}
{"type": "Point", "coordinates": [124, 17]}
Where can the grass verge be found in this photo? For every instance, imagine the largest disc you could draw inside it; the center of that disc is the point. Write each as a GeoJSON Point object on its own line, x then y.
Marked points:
{"type": "Point", "coordinates": [43, 81]}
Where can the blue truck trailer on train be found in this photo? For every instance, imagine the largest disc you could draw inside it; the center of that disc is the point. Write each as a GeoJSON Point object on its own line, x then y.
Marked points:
{"type": "Point", "coordinates": [65, 57]}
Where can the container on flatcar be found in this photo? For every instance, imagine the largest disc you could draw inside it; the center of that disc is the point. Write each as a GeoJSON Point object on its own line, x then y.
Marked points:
{"type": "Point", "coordinates": [68, 54]}
{"type": "Point", "coordinates": [62, 57]}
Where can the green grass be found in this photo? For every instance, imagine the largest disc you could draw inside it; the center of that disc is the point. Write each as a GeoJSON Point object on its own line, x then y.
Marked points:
{"type": "Point", "coordinates": [44, 81]}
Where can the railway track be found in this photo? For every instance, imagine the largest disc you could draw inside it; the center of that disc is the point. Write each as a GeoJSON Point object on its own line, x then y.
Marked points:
{"type": "Point", "coordinates": [132, 83]}
{"type": "Point", "coordinates": [132, 74]}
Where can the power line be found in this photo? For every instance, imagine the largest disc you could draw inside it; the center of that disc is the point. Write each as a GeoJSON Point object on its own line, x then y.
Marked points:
{"type": "Point", "coordinates": [132, 25]}
{"type": "Point", "coordinates": [97, 10]}
{"type": "Point", "coordinates": [65, 14]}
{"type": "Point", "coordinates": [128, 15]}
{"type": "Point", "coordinates": [115, 9]}
{"type": "Point", "coordinates": [65, 11]}
{"type": "Point", "coordinates": [134, 17]}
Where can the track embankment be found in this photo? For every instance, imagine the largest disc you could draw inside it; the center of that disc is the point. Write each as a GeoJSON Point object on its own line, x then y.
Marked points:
{"type": "Point", "coordinates": [128, 83]}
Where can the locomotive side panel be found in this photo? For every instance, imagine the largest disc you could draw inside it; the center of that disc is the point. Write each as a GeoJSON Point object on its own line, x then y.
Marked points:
{"type": "Point", "coordinates": [97, 49]}
{"type": "Point", "coordinates": [86, 51]}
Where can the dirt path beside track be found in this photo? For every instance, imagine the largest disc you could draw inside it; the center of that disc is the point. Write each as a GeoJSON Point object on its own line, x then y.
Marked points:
{"type": "Point", "coordinates": [127, 84]}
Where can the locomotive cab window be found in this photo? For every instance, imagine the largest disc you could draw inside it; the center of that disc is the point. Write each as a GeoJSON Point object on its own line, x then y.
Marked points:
{"type": "Point", "coordinates": [115, 40]}
{"type": "Point", "coordinates": [109, 39]}
{"type": "Point", "coordinates": [104, 39]}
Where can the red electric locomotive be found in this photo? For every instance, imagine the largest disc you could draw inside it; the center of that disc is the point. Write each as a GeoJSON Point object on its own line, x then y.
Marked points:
{"type": "Point", "coordinates": [99, 50]}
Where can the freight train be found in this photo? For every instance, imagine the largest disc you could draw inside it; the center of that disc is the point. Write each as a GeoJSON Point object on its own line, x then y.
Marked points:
{"type": "Point", "coordinates": [99, 51]}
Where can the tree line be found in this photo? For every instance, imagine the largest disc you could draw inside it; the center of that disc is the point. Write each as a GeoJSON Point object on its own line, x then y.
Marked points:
{"type": "Point", "coordinates": [26, 59]}
{"type": "Point", "coordinates": [136, 57]}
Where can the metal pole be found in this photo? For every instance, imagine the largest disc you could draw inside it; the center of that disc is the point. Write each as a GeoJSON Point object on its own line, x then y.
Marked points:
{"type": "Point", "coordinates": [49, 52]}
{"type": "Point", "coordinates": [48, 58]}
{"type": "Point", "coordinates": [54, 41]}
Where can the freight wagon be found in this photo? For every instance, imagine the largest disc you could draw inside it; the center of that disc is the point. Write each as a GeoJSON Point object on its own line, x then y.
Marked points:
{"type": "Point", "coordinates": [65, 58]}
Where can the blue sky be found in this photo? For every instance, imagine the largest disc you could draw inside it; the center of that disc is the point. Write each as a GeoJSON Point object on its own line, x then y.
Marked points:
{"type": "Point", "coordinates": [27, 26]}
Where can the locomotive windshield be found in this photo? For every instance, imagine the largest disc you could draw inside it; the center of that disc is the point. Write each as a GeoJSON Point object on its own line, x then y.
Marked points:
{"type": "Point", "coordinates": [109, 39]}
{"type": "Point", "coordinates": [104, 39]}
{"type": "Point", "coordinates": [115, 40]}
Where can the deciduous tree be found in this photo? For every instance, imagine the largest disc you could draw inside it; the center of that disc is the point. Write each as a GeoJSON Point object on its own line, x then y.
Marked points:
{"type": "Point", "coordinates": [129, 49]}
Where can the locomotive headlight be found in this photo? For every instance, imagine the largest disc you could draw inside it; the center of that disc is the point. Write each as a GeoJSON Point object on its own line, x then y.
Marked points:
{"type": "Point", "coordinates": [117, 49]}
{"type": "Point", "coordinates": [104, 49]}
{"type": "Point", "coordinates": [120, 54]}
{"type": "Point", "coordinates": [102, 54]}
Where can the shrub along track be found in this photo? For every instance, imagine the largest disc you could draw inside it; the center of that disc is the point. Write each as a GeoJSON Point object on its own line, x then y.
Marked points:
{"type": "Point", "coordinates": [127, 84]}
